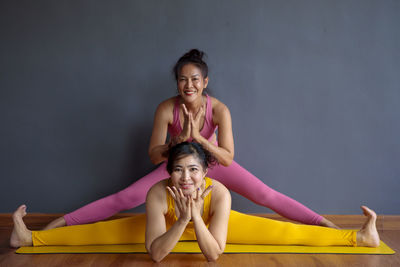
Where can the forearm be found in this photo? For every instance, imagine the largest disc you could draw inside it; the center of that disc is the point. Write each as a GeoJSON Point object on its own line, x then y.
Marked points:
{"type": "Point", "coordinates": [163, 245]}
{"type": "Point", "coordinates": [157, 153]}
{"type": "Point", "coordinates": [223, 156]}
{"type": "Point", "coordinates": [207, 243]}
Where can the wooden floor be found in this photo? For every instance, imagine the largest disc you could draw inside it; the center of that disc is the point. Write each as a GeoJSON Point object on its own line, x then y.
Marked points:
{"type": "Point", "coordinates": [388, 226]}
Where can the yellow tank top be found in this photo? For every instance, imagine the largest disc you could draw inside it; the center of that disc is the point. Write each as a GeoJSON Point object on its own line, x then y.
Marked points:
{"type": "Point", "coordinates": [170, 217]}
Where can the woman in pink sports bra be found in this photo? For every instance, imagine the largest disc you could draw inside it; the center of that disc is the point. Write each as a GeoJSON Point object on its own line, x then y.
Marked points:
{"type": "Point", "coordinates": [193, 116]}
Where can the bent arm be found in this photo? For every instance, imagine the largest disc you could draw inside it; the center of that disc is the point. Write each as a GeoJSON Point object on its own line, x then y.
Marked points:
{"type": "Point", "coordinates": [160, 242]}
{"type": "Point", "coordinates": [212, 241]}
{"type": "Point", "coordinates": [224, 152]}
{"type": "Point", "coordinates": [163, 245]}
{"type": "Point", "coordinates": [158, 147]}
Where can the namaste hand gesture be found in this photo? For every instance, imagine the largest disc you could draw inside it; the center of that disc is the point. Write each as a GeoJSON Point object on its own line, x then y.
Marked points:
{"type": "Point", "coordinates": [191, 125]}
{"type": "Point", "coordinates": [189, 207]}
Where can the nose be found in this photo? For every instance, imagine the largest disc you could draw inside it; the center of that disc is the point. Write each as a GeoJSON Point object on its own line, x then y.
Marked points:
{"type": "Point", "coordinates": [185, 174]}
{"type": "Point", "coordinates": [189, 83]}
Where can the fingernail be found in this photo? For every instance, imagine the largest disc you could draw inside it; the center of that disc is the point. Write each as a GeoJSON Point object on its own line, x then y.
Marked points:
{"type": "Point", "coordinates": [198, 188]}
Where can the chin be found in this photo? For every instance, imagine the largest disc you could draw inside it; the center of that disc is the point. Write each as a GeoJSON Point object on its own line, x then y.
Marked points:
{"type": "Point", "coordinates": [187, 192]}
{"type": "Point", "coordinates": [191, 97]}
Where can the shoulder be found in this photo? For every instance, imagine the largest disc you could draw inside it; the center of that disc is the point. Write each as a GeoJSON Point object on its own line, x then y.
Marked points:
{"type": "Point", "coordinates": [157, 192]}
{"type": "Point", "coordinates": [167, 104]}
{"type": "Point", "coordinates": [219, 191]}
{"type": "Point", "coordinates": [220, 110]}
{"type": "Point", "coordinates": [165, 109]}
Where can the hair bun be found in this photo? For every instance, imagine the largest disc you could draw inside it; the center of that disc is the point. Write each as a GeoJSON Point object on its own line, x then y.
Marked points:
{"type": "Point", "coordinates": [194, 54]}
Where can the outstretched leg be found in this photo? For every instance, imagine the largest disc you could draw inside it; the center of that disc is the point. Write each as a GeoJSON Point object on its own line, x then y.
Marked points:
{"type": "Point", "coordinates": [132, 196]}
{"type": "Point", "coordinates": [247, 229]}
{"type": "Point", "coordinates": [238, 179]}
{"type": "Point", "coordinates": [121, 231]}
{"type": "Point", "coordinates": [20, 235]}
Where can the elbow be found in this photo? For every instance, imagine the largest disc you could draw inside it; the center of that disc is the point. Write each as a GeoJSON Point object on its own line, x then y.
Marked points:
{"type": "Point", "coordinates": [227, 161]}
{"type": "Point", "coordinates": [154, 254]}
{"type": "Point", "coordinates": [157, 257]}
{"type": "Point", "coordinates": [214, 257]}
{"type": "Point", "coordinates": [154, 158]}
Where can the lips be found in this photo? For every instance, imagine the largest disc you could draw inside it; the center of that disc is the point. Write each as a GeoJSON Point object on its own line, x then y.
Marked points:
{"type": "Point", "coordinates": [189, 93]}
{"type": "Point", "coordinates": [185, 186]}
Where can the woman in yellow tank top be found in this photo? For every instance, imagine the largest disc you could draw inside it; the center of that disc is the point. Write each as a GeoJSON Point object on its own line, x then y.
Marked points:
{"type": "Point", "coordinates": [191, 206]}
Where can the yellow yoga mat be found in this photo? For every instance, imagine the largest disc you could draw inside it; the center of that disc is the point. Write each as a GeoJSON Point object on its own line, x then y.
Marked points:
{"type": "Point", "coordinates": [192, 247]}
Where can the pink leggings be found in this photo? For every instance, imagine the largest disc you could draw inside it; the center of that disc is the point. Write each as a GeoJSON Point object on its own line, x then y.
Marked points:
{"type": "Point", "coordinates": [234, 177]}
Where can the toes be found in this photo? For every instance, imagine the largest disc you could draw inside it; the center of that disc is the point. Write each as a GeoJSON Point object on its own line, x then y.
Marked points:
{"type": "Point", "coordinates": [368, 212]}
{"type": "Point", "coordinates": [20, 212]}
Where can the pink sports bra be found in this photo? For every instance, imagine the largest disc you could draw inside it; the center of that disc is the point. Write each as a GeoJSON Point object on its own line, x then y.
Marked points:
{"type": "Point", "coordinates": [208, 129]}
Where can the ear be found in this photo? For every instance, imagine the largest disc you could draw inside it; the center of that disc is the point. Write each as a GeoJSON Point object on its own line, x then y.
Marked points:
{"type": "Point", "coordinates": [205, 82]}
{"type": "Point", "coordinates": [205, 172]}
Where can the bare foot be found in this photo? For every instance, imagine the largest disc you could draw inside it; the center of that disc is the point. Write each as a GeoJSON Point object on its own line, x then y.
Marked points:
{"type": "Point", "coordinates": [368, 235]}
{"type": "Point", "coordinates": [20, 235]}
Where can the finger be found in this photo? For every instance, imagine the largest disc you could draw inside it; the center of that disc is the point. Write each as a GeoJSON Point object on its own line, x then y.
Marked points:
{"type": "Point", "coordinates": [185, 111]}
{"type": "Point", "coordinates": [197, 193]}
{"type": "Point", "coordinates": [190, 203]}
{"type": "Point", "coordinates": [170, 191]}
{"type": "Point", "coordinates": [192, 121]}
{"type": "Point", "coordinates": [180, 198]}
{"type": "Point", "coordinates": [181, 193]}
{"type": "Point", "coordinates": [207, 191]}
{"type": "Point", "coordinates": [177, 198]}
{"type": "Point", "coordinates": [175, 191]}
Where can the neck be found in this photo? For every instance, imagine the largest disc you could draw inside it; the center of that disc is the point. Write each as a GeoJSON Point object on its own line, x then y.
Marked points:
{"type": "Point", "coordinates": [195, 105]}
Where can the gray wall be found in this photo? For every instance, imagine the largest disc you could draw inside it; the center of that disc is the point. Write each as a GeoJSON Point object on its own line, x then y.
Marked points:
{"type": "Point", "coordinates": [313, 88]}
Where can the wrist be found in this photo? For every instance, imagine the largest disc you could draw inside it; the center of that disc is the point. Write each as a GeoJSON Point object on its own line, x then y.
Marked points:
{"type": "Point", "coordinates": [181, 138]}
{"type": "Point", "coordinates": [198, 138]}
{"type": "Point", "coordinates": [183, 221]}
{"type": "Point", "coordinates": [196, 218]}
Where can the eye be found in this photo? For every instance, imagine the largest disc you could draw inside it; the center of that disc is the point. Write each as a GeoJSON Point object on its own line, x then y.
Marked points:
{"type": "Point", "coordinates": [177, 170]}
{"type": "Point", "coordinates": [193, 169]}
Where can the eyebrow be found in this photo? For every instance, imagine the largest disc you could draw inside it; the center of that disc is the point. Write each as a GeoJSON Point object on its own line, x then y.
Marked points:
{"type": "Point", "coordinates": [191, 165]}
{"type": "Point", "coordinates": [194, 75]}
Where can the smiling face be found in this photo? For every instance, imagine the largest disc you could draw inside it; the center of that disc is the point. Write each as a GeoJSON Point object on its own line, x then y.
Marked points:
{"type": "Point", "coordinates": [191, 82]}
{"type": "Point", "coordinates": [188, 174]}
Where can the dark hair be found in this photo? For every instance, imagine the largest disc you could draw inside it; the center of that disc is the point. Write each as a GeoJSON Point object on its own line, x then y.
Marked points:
{"type": "Point", "coordinates": [185, 149]}
{"type": "Point", "coordinates": [195, 57]}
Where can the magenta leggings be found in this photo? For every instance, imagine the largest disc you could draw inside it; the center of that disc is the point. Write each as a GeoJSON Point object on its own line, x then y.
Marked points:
{"type": "Point", "coordinates": [234, 177]}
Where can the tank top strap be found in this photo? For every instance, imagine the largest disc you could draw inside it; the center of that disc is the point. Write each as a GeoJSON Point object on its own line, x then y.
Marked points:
{"type": "Point", "coordinates": [209, 114]}
{"type": "Point", "coordinates": [174, 128]}
{"type": "Point", "coordinates": [207, 203]}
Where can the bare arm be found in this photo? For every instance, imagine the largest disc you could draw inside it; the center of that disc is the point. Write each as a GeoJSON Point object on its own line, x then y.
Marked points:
{"type": "Point", "coordinates": [224, 152]}
{"type": "Point", "coordinates": [212, 240]}
{"type": "Point", "coordinates": [158, 147]}
{"type": "Point", "coordinates": [160, 242]}
{"type": "Point", "coordinates": [163, 117]}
